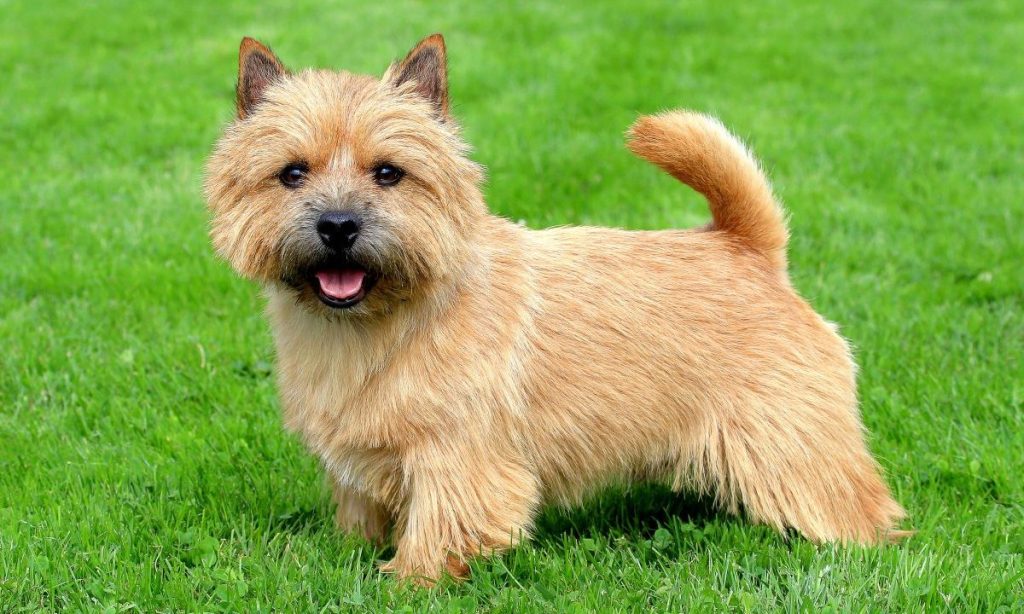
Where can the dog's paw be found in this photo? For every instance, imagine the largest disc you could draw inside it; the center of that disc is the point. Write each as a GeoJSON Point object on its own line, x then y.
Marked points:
{"type": "Point", "coordinates": [426, 573]}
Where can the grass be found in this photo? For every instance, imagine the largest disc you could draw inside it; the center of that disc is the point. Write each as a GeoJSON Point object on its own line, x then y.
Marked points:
{"type": "Point", "coordinates": [142, 465]}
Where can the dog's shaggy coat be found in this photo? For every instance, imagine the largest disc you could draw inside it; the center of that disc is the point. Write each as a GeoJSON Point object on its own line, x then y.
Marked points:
{"type": "Point", "coordinates": [494, 368]}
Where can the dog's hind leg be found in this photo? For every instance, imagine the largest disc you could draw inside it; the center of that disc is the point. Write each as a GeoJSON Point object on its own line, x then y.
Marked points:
{"type": "Point", "coordinates": [806, 470]}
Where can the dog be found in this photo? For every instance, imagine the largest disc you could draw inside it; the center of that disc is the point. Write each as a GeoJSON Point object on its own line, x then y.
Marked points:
{"type": "Point", "coordinates": [455, 371]}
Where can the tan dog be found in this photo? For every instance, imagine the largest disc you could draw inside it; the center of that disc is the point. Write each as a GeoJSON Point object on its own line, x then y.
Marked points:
{"type": "Point", "coordinates": [455, 371]}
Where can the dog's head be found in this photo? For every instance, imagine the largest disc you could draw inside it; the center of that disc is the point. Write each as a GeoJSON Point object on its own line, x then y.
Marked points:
{"type": "Point", "coordinates": [352, 192]}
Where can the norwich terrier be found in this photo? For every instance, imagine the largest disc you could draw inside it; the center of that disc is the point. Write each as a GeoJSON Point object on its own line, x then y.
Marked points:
{"type": "Point", "coordinates": [456, 371]}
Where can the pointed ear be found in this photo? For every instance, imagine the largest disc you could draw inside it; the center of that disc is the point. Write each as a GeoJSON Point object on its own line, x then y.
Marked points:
{"type": "Point", "coordinates": [258, 67]}
{"type": "Point", "coordinates": [427, 66]}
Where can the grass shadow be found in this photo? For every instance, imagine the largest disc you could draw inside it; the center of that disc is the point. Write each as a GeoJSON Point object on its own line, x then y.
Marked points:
{"type": "Point", "coordinates": [637, 512]}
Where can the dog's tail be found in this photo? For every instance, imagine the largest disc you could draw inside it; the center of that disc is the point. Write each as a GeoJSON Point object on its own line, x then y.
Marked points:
{"type": "Point", "coordinates": [699, 151]}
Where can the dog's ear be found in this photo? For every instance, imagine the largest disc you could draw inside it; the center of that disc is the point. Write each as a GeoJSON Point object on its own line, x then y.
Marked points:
{"type": "Point", "coordinates": [426, 66]}
{"type": "Point", "coordinates": [258, 67]}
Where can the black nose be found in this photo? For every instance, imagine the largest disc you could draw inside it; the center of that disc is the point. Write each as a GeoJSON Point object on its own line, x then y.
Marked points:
{"type": "Point", "coordinates": [338, 230]}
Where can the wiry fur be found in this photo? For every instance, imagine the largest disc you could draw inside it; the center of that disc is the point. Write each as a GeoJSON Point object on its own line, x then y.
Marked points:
{"type": "Point", "coordinates": [495, 368]}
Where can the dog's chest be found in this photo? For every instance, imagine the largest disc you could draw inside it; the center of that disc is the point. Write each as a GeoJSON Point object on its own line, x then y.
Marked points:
{"type": "Point", "coordinates": [334, 398]}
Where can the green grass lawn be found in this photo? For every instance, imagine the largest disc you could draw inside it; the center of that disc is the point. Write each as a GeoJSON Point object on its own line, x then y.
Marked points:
{"type": "Point", "coordinates": [142, 462]}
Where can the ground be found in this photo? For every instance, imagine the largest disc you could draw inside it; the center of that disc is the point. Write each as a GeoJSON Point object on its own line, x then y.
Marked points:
{"type": "Point", "coordinates": [142, 462]}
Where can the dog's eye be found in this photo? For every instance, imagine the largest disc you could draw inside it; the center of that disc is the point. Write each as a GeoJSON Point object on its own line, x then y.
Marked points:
{"type": "Point", "coordinates": [293, 175]}
{"type": "Point", "coordinates": [387, 174]}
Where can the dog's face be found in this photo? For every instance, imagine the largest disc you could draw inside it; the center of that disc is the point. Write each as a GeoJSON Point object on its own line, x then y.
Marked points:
{"type": "Point", "coordinates": [353, 193]}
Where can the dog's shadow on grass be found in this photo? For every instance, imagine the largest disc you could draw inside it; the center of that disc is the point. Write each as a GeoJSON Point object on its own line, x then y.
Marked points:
{"type": "Point", "coordinates": [630, 515]}
{"type": "Point", "coordinates": [300, 521]}
{"type": "Point", "coordinates": [636, 512]}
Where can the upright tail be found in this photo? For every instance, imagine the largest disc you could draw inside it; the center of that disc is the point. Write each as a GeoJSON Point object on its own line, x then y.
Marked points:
{"type": "Point", "coordinates": [698, 150]}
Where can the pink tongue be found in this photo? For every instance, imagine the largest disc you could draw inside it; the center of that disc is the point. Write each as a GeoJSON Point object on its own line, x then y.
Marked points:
{"type": "Point", "coordinates": [341, 284]}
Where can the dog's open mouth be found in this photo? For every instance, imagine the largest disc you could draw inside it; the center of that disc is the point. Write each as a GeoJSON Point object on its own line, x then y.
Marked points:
{"type": "Point", "coordinates": [342, 287]}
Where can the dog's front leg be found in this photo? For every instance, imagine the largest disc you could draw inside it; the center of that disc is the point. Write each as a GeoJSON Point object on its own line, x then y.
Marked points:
{"type": "Point", "coordinates": [461, 500]}
{"type": "Point", "coordinates": [357, 513]}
